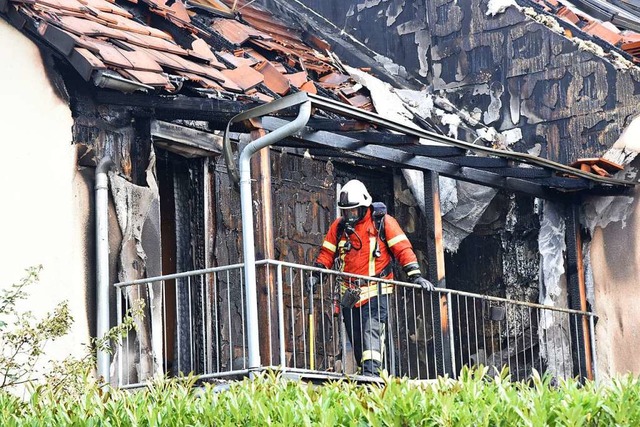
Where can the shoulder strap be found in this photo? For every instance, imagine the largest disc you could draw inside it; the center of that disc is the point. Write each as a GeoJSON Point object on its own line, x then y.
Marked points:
{"type": "Point", "coordinates": [340, 229]}
{"type": "Point", "coordinates": [379, 214]}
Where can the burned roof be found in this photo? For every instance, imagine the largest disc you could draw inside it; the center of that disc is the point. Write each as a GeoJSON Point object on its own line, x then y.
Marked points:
{"type": "Point", "coordinates": [227, 49]}
{"type": "Point", "coordinates": [616, 23]}
{"type": "Point", "coordinates": [219, 48]}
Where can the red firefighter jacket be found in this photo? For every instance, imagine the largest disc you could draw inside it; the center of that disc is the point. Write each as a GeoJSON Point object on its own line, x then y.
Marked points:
{"type": "Point", "coordinates": [360, 258]}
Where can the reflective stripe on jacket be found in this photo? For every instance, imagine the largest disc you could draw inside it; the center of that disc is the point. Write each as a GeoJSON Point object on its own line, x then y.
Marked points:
{"type": "Point", "coordinates": [359, 259]}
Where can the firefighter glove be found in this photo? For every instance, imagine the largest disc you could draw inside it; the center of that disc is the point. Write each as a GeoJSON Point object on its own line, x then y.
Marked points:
{"type": "Point", "coordinates": [424, 283]}
{"type": "Point", "coordinates": [413, 273]}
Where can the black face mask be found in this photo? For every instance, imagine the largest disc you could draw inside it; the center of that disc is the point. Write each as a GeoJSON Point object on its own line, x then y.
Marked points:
{"type": "Point", "coordinates": [351, 218]}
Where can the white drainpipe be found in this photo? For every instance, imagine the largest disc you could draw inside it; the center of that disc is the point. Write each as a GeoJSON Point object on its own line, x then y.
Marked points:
{"type": "Point", "coordinates": [102, 260]}
{"type": "Point", "coordinates": [246, 206]}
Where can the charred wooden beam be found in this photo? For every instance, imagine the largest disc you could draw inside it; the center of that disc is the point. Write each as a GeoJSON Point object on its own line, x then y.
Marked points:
{"type": "Point", "coordinates": [579, 326]}
{"type": "Point", "coordinates": [185, 141]}
{"type": "Point", "coordinates": [525, 173]}
{"type": "Point", "coordinates": [177, 107]}
{"type": "Point", "coordinates": [480, 162]}
{"type": "Point", "coordinates": [400, 158]}
{"type": "Point", "coordinates": [437, 276]}
{"type": "Point", "coordinates": [383, 138]}
{"type": "Point", "coordinates": [342, 125]}
{"type": "Point", "coordinates": [434, 150]}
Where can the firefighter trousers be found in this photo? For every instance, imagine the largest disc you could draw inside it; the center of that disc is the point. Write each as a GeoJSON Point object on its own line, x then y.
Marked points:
{"type": "Point", "coordinates": [365, 327]}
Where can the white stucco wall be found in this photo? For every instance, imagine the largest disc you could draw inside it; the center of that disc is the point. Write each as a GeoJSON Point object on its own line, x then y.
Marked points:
{"type": "Point", "coordinates": [44, 201]}
{"type": "Point", "coordinates": [615, 258]}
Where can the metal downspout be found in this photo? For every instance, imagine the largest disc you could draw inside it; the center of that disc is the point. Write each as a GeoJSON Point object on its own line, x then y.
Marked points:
{"type": "Point", "coordinates": [246, 202]}
{"type": "Point", "coordinates": [102, 261]}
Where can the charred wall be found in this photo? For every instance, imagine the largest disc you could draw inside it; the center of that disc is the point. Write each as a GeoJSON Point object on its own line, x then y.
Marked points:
{"type": "Point", "coordinates": [510, 70]}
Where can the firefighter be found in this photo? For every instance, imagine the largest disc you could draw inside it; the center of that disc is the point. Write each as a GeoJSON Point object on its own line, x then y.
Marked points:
{"type": "Point", "coordinates": [365, 241]}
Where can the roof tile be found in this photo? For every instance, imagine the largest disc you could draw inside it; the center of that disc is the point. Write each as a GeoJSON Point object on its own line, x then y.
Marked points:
{"type": "Point", "coordinates": [99, 34]}
{"type": "Point", "coordinates": [599, 30]}
{"type": "Point", "coordinates": [275, 81]}
{"type": "Point", "coordinates": [201, 49]}
{"type": "Point", "coordinates": [202, 81]}
{"type": "Point", "coordinates": [105, 6]}
{"type": "Point", "coordinates": [245, 77]}
{"type": "Point", "coordinates": [234, 32]}
{"type": "Point", "coordinates": [141, 60]}
{"type": "Point", "coordinates": [235, 60]}
{"type": "Point", "coordinates": [148, 78]}
{"type": "Point", "coordinates": [155, 43]}
{"type": "Point", "coordinates": [297, 79]}
{"type": "Point", "coordinates": [85, 62]}
{"type": "Point", "coordinates": [309, 87]}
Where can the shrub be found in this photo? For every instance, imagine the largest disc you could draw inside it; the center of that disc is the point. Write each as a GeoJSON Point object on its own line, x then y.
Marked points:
{"type": "Point", "coordinates": [23, 338]}
{"type": "Point", "coordinates": [474, 399]}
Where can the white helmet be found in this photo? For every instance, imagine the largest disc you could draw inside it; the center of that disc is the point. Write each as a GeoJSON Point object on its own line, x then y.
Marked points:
{"type": "Point", "coordinates": [354, 194]}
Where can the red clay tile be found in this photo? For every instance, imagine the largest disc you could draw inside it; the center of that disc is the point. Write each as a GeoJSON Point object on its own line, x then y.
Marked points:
{"type": "Point", "coordinates": [253, 54]}
{"type": "Point", "coordinates": [348, 91]}
{"type": "Point", "coordinates": [85, 27]}
{"type": "Point", "coordinates": [599, 30]}
{"type": "Point", "coordinates": [263, 97]}
{"type": "Point", "coordinates": [105, 6]}
{"type": "Point", "coordinates": [147, 77]}
{"type": "Point", "coordinates": [334, 79]}
{"type": "Point", "coordinates": [132, 26]}
{"type": "Point", "coordinates": [141, 60]}
{"type": "Point", "coordinates": [309, 87]}
{"type": "Point", "coordinates": [207, 71]}
{"type": "Point", "coordinates": [630, 36]}
{"type": "Point", "coordinates": [229, 85]}
{"type": "Point", "coordinates": [113, 56]}
{"type": "Point", "coordinates": [236, 61]}
{"type": "Point", "coordinates": [179, 63]}
{"type": "Point", "coordinates": [180, 11]}
{"type": "Point", "coordinates": [279, 66]}
{"type": "Point", "coordinates": [317, 42]}
{"type": "Point", "coordinates": [70, 5]}
{"type": "Point", "coordinates": [273, 79]}
{"type": "Point", "coordinates": [234, 32]}
{"type": "Point", "coordinates": [85, 62]}
{"type": "Point", "coordinates": [202, 81]}
{"type": "Point", "coordinates": [201, 49]}
{"type": "Point", "coordinates": [319, 68]}
{"type": "Point", "coordinates": [105, 18]}
{"type": "Point", "coordinates": [273, 46]}
{"type": "Point", "coordinates": [245, 77]}
{"type": "Point", "coordinates": [214, 5]}
{"type": "Point", "coordinates": [631, 47]}
{"type": "Point", "coordinates": [359, 101]}
{"type": "Point", "coordinates": [167, 59]}
{"type": "Point", "coordinates": [267, 25]}
{"type": "Point", "coordinates": [566, 14]}
{"type": "Point", "coordinates": [297, 79]}
{"type": "Point", "coordinates": [155, 43]}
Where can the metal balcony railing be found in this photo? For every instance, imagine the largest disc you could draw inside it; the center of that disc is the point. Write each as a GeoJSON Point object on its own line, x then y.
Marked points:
{"type": "Point", "coordinates": [196, 322]}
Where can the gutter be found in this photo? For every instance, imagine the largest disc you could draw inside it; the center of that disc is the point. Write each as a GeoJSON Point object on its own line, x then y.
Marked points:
{"type": "Point", "coordinates": [102, 261]}
{"type": "Point", "coordinates": [243, 178]}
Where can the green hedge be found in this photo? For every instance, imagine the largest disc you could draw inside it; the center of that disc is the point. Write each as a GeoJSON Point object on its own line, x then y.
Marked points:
{"type": "Point", "coordinates": [475, 399]}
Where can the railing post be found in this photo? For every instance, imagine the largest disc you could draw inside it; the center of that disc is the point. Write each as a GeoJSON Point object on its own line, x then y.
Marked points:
{"type": "Point", "coordinates": [280, 309]}
{"type": "Point", "coordinates": [121, 345]}
{"type": "Point", "coordinates": [452, 346]}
